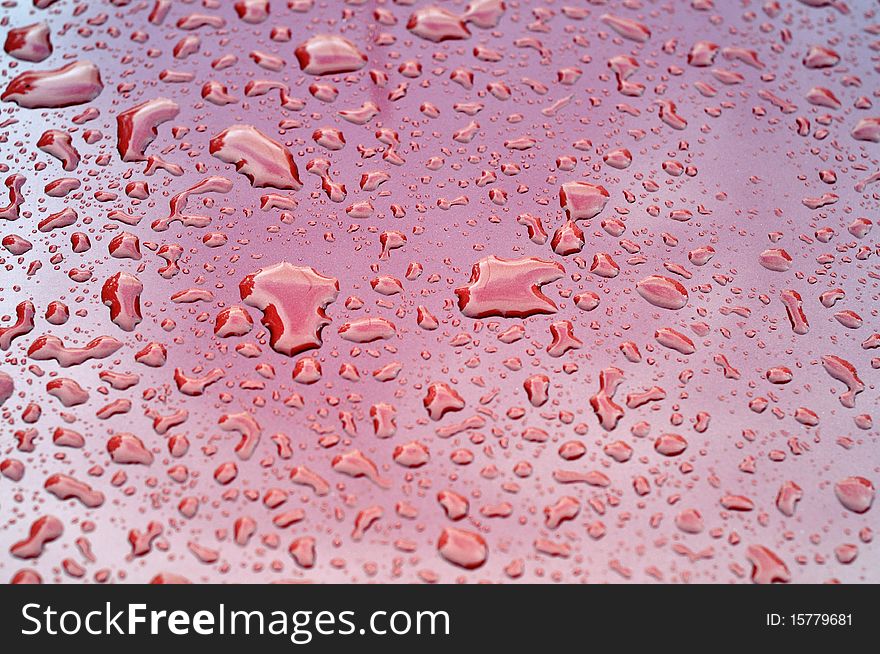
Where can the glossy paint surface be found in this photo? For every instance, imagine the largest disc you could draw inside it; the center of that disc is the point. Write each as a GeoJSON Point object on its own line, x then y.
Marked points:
{"type": "Point", "coordinates": [437, 292]}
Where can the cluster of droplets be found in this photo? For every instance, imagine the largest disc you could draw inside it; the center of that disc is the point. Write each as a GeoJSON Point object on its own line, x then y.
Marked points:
{"type": "Point", "coordinates": [241, 341]}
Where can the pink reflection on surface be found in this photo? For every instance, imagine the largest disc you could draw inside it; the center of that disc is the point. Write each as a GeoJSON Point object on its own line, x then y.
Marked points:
{"type": "Point", "coordinates": [413, 291]}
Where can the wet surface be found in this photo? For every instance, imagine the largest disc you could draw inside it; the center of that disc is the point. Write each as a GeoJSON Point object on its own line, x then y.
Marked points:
{"type": "Point", "coordinates": [402, 291]}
